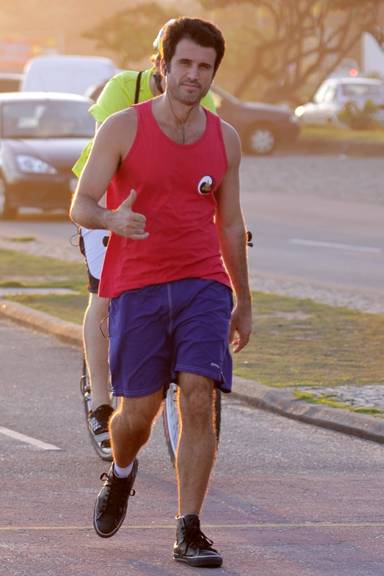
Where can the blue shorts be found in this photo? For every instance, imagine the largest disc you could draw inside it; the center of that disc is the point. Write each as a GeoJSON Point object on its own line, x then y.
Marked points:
{"type": "Point", "coordinates": [160, 330]}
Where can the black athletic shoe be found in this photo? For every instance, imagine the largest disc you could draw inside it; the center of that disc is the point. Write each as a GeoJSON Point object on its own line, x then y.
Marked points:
{"type": "Point", "coordinates": [98, 423]}
{"type": "Point", "coordinates": [112, 501]}
{"type": "Point", "coordinates": [192, 546]}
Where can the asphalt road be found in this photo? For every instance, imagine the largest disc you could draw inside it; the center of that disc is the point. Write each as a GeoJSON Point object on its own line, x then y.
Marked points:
{"type": "Point", "coordinates": [314, 219]}
{"type": "Point", "coordinates": [317, 219]}
{"type": "Point", "coordinates": [285, 499]}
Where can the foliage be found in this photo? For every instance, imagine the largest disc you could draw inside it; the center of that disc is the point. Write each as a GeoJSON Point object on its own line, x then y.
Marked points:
{"type": "Point", "coordinates": [277, 50]}
{"type": "Point", "coordinates": [129, 33]}
{"type": "Point", "coordinates": [359, 118]}
{"type": "Point", "coordinates": [295, 44]}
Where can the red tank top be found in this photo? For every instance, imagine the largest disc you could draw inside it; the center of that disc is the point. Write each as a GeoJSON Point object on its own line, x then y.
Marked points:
{"type": "Point", "coordinates": [175, 186]}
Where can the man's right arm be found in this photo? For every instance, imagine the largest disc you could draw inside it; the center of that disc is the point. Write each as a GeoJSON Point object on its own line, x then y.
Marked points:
{"type": "Point", "coordinates": [112, 142]}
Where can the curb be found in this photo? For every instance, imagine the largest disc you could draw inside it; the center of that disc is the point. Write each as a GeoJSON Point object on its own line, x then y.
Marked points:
{"type": "Point", "coordinates": [280, 402]}
{"type": "Point", "coordinates": [334, 147]}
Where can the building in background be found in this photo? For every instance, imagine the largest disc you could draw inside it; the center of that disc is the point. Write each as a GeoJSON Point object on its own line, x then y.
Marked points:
{"type": "Point", "coordinates": [15, 51]}
{"type": "Point", "coordinates": [36, 27]}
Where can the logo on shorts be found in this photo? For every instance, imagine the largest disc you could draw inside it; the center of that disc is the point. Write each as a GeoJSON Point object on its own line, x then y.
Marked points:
{"type": "Point", "coordinates": [205, 185]}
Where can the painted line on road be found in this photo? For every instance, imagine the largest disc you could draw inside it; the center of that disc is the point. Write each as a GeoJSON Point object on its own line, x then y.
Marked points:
{"type": "Point", "coordinates": [335, 245]}
{"type": "Point", "coordinates": [27, 439]}
{"type": "Point", "coordinates": [305, 525]}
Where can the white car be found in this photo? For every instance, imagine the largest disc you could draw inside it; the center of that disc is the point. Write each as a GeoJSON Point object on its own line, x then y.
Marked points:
{"type": "Point", "coordinates": [334, 93]}
{"type": "Point", "coordinates": [65, 73]}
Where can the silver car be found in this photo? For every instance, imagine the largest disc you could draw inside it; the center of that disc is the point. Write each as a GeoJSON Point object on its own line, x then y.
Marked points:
{"type": "Point", "coordinates": [334, 93]}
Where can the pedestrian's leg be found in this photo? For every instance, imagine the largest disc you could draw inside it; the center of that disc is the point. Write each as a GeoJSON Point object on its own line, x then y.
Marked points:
{"type": "Point", "coordinates": [131, 424]}
{"type": "Point", "coordinates": [130, 428]}
{"type": "Point", "coordinates": [96, 349]}
{"type": "Point", "coordinates": [197, 442]}
{"type": "Point", "coordinates": [194, 462]}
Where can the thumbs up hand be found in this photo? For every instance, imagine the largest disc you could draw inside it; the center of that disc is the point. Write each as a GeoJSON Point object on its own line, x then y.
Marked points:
{"type": "Point", "coordinates": [125, 222]}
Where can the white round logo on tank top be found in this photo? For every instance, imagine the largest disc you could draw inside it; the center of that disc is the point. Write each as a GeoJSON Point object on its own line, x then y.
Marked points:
{"type": "Point", "coordinates": [205, 185]}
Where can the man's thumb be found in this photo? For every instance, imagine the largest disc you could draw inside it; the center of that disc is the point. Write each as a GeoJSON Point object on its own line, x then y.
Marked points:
{"type": "Point", "coordinates": [130, 200]}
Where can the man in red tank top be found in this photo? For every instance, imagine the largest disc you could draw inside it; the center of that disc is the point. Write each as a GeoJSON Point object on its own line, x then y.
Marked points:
{"type": "Point", "coordinates": [177, 250]}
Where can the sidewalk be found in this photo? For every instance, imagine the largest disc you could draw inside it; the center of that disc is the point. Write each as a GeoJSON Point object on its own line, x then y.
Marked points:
{"type": "Point", "coordinates": [280, 401]}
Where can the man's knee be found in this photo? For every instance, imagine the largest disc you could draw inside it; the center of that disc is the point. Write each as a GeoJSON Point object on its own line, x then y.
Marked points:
{"type": "Point", "coordinates": [196, 398]}
{"type": "Point", "coordinates": [137, 414]}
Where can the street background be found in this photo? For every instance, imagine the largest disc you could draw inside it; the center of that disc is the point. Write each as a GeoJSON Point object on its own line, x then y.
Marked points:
{"type": "Point", "coordinates": [286, 498]}
{"type": "Point", "coordinates": [317, 223]}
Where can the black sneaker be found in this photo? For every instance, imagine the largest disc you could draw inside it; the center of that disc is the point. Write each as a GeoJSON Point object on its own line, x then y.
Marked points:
{"type": "Point", "coordinates": [112, 501]}
{"type": "Point", "coordinates": [98, 423]}
{"type": "Point", "coordinates": [192, 546]}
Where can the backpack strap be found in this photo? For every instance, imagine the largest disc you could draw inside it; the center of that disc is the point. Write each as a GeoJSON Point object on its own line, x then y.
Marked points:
{"type": "Point", "coordinates": [137, 89]}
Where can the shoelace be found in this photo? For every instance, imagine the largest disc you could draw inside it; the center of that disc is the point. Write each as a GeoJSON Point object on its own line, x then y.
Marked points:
{"type": "Point", "coordinates": [112, 496]}
{"type": "Point", "coordinates": [195, 538]}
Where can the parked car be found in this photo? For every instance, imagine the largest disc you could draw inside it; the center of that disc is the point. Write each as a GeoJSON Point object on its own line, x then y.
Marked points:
{"type": "Point", "coordinates": [66, 73]}
{"type": "Point", "coordinates": [10, 81]}
{"type": "Point", "coordinates": [261, 126]}
{"type": "Point", "coordinates": [334, 93]}
{"type": "Point", "coordinates": [41, 136]}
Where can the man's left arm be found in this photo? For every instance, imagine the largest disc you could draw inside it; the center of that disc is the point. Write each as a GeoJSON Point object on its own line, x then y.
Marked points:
{"type": "Point", "coordinates": [233, 240]}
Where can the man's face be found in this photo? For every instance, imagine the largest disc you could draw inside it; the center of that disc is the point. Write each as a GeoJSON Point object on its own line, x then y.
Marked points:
{"type": "Point", "coordinates": [190, 73]}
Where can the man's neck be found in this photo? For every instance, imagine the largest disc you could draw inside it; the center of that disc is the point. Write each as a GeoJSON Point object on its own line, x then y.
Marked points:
{"type": "Point", "coordinates": [182, 122]}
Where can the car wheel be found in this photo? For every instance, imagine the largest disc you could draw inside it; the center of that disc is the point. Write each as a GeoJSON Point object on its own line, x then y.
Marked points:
{"type": "Point", "coordinates": [261, 140]}
{"type": "Point", "coordinates": [7, 212]}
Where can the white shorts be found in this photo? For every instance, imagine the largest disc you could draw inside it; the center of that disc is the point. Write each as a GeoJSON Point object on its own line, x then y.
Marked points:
{"type": "Point", "coordinates": [94, 249]}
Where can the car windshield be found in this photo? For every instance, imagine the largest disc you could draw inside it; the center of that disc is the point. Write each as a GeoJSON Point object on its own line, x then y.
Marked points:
{"type": "Point", "coordinates": [361, 91]}
{"type": "Point", "coordinates": [47, 119]}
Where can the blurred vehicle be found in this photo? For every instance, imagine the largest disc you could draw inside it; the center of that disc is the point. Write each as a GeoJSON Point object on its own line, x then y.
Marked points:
{"type": "Point", "coordinates": [335, 93]}
{"type": "Point", "coordinates": [66, 73]}
{"type": "Point", "coordinates": [261, 126]}
{"type": "Point", "coordinates": [10, 81]}
{"type": "Point", "coordinates": [41, 136]}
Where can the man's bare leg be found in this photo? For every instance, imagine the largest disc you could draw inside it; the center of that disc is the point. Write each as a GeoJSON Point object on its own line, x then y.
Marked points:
{"type": "Point", "coordinates": [96, 349]}
{"type": "Point", "coordinates": [197, 441]}
{"type": "Point", "coordinates": [131, 424]}
{"type": "Point", "coordinates": [130, 428]}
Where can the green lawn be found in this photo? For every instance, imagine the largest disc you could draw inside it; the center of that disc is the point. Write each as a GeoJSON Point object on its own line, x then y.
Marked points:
{"type": "Point", "coordinates": [340, 134]}
{"type": "Point", "coordinates": [295, 342]}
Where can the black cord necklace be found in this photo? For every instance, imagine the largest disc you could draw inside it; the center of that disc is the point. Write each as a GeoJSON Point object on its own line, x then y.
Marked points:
{"type": "Point", "coordinates": [180, 124]}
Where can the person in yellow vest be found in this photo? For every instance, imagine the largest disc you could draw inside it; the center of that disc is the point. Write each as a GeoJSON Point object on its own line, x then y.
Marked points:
{"type": "Point", "coordinates": [120, 92]}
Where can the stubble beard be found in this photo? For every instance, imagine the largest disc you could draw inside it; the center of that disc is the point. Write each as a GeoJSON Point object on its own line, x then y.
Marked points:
{"type": "Point", "coordinates": [179, 94]}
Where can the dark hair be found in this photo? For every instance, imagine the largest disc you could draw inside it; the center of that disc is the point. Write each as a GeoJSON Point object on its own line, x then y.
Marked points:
{"type": "Point", "coordinates": [200, 31]}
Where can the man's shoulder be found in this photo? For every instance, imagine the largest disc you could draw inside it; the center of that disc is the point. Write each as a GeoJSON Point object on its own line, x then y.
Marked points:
{"type": "Point", "coordinates": [119, 130]}
{"type": "Point", "coordinates": [232, 142]}
{"type": "Point", "coordinates": [229, 132]}
{"type": "Point", "coordinates": [127, 116]}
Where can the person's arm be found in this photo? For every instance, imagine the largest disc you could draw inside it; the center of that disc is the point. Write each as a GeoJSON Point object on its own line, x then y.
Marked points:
{"type": "Point", "coordinates": [112, 142]}
{"type": "Point", "coordinates": [233, 240]}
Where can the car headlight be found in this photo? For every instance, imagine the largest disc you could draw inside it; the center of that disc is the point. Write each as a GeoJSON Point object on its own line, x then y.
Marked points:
{"type": "Point", "coordinates": [299, 111]}
{"type": "Point", "coordinates": [34, 165]}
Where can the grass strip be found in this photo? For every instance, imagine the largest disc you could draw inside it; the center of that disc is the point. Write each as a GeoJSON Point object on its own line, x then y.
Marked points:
{"type": "Point", "coordinates": [296, 342]}
{"type": "Point", "coordinates": [340, 134]}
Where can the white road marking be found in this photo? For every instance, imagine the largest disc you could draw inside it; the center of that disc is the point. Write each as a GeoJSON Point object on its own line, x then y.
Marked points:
{"type": "Point", "coordinates": [259, 525]}
{"type": "Point", "coordinates": [335, 245]}
{"type": "Point", "coordinates": [27, 439]}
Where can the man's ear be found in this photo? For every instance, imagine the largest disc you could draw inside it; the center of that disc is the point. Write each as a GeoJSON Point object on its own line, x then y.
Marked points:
{"type": "Point", "coordinates": [163, 67]}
